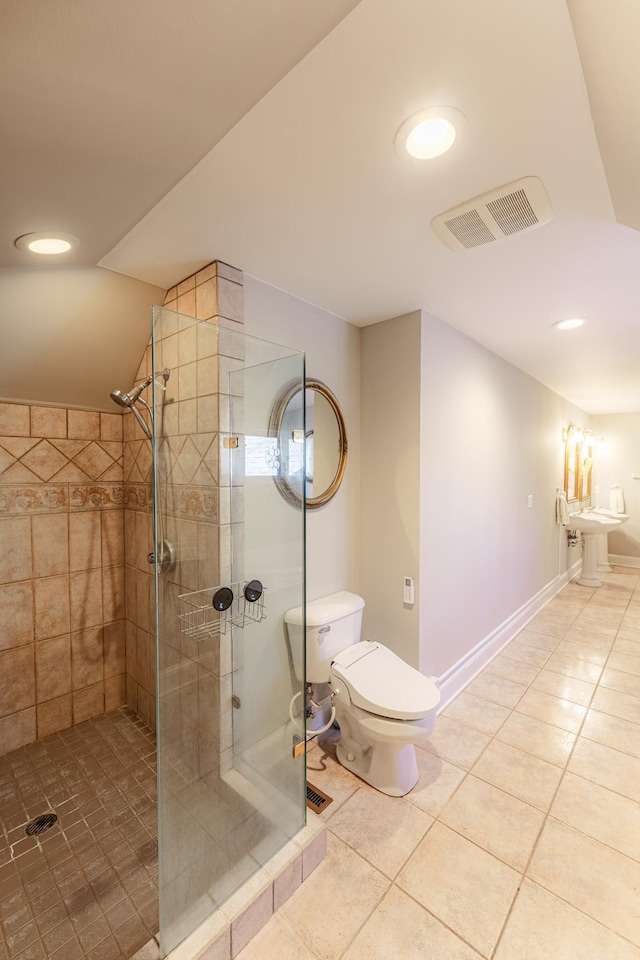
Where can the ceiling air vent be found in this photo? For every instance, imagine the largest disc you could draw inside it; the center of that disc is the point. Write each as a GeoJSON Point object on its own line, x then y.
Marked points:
{"type": "Point", "coordinates": [504, 212]}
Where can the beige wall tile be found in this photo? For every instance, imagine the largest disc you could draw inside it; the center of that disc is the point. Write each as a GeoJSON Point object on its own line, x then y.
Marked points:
{"type": "Point", "coordinates": [187, 302]}
{"type": "Point", "coordinates": [15, 556]}
{"type": "Point", "coordinates": [185, 285]}
{"type": "Point", "coordinates": [85, 590]}
{"type": "Point", "coordinates": [111, 426]}
{"type": "Point", "coordinates": [53, 668]}
{"type": "Point", "coordinates": [16, 614]}
{"type": "Point", "coordinates": [14, 420]}
{"type": "Point", "coordinates": [48, 422]}
{"type": "Point", "coordinates": [112, 534]}
{"type": "Point", "coordinates": [18, 473]}
{"type": "Point", "coordinates": [52, 607]}
{"type": "Point", "coordinates": [206, 299]}
{"type": "Point", "coordinates": [113, 593]}
{"type": "Point", "coordinates": [87, 657]}
{"type": "Point", "coordinates": [44, 460]}
{"type": "Point", "coordinates": [143, 708]}
{"type": "Point", "coordinates": [93, 460]}
{"type": "Point", "coordinates": [230, 300]}
{"type": "Point", "coordinates": [88, 702]}
{"type": "Point", "coordinates": [53, 716]}
{"type": "Point", "coordinates": [114, 649]}
{"type": "Point", "coordinates": [17, 729]}
{"type": "Point", "coordinates": [18, 686]}
{"type": "Point", "coordinates": [188, 344]}
{"type": "Point", "coordinates": [83, 424]}
{"type": "Point", "coordinates": [50, 544]}
{"type": "Point", "coordinates": [115, 692]}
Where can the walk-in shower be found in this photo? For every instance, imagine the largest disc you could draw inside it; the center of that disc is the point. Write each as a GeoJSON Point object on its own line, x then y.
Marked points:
{"type": "Point", "coordinates": [119, 632]}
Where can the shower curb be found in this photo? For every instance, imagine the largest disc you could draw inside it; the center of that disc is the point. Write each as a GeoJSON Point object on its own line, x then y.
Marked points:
{"type": "Point", "coordinates": [228, 930]}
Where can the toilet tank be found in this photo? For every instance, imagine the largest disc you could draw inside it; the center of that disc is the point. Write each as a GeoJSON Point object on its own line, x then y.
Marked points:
{"type": "Point", "coordinates": [333, 623]}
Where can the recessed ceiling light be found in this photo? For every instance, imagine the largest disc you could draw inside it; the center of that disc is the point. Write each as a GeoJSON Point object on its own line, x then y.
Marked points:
{"type": "Point", "coordinates": [430, 133]}
{"type": "Point", "coordinates": [47, 243]}
{"type": "Point", "coordinates": [570, 324]}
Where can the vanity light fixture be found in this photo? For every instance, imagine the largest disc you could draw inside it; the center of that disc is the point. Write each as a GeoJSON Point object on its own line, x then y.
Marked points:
{"type": "Point", "coordinates": [572, 434]}
{"type": "Point", "coordinates": [50, 244]}
{"type": "Point", "coordinates": [571, 324]}
{"type": "Point", "coordinates": [430, 132]}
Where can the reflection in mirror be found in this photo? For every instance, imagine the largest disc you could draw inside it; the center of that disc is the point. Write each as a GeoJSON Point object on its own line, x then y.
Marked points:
{"type": "Point", "coordinates": [319, 453]}
{"type": "Point", "coordinates": [578, 462]}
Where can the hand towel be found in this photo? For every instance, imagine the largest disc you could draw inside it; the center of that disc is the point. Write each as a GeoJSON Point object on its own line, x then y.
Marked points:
{"type": "Point", "coordinates": [562, 508]}
{"type": "Point", "coordinates": [616, 498]}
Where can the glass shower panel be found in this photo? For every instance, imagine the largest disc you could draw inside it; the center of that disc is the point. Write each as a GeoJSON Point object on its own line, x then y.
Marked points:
{"type": "Point", "coordinates": [267, 546]}
{"type": "Point", "coordinates": [217, 822]}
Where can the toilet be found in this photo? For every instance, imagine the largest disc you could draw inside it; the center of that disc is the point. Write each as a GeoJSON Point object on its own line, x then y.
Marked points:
{"type": "Point", "coordinates": [383, 706]}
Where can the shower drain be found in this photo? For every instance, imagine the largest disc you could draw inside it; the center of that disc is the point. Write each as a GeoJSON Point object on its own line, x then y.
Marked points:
{"type": "Point", "coordinates": [40, 824]}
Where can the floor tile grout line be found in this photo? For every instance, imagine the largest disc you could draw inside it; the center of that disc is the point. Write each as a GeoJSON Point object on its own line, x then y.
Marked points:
{"type": "Point", "coordinates": [545, 821]}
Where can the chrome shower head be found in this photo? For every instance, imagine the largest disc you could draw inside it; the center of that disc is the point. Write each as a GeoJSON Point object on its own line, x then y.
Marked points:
{"type": "Point", "coordinates": [128, 401]}
{"type": "Point", "coordinates": [122, 399]}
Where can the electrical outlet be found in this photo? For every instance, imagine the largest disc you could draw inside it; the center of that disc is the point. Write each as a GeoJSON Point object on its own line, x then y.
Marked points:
{"type": "Point", "coordinates": [530, 500]}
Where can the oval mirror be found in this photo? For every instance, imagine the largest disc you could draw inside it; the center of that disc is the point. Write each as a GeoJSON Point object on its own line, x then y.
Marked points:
{"type": "Point", "coordinates": [325, 443]}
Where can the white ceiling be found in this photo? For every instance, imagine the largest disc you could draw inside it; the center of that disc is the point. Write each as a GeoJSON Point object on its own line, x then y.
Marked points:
{"type": "Point", "coordinates": [291, 112]}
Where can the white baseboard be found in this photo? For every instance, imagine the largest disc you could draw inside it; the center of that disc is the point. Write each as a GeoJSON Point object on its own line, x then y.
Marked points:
{"type": "Point", "coordinates": [456, 678]}
{"type": "Point", "coordinates": [621, 561]}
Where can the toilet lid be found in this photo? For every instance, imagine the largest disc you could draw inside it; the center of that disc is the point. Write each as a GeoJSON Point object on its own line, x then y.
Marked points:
{"type": "Point", "coordinates": [380, 682]}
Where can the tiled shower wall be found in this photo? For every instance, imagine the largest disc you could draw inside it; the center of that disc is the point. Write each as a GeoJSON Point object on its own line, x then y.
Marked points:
{"type": "Point", "coordinates": [76, 587]}
{"type": "Point", "coordinates": [191, 414]}
{"type": "Point", "coordinates": [62, 628]}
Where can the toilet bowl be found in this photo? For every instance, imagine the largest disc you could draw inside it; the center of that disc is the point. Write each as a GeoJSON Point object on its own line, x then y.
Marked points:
{"type": "Point", "coordinates": [384, 707]}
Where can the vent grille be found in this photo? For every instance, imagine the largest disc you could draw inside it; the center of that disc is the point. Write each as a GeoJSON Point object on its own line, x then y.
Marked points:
{"type": "Point", "coordinates": [316, 799]}
{"type": "Point", "coordinates": [470, 229]}
{"type": "Point", "coordinates": [514, 208]}
{"type": "Point", "coordinates": [513, 212]}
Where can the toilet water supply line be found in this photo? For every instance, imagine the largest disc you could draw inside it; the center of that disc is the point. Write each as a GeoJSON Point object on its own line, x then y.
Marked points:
{"type": "Point", "coordinates": [312, 733]}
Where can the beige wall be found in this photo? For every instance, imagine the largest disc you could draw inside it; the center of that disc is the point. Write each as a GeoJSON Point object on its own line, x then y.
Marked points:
{"type": "Point", "coordinates": [615, 462]}
{"type": "Point", "coordinates": [332, 349]}
{"type": "Point", "coordinates": [478, 437]}
{"type": "Point", "coordinates": [491, 437]}
{"type": "Point", "coordinates": [62, 632]}
{"type": "Point", "coordinates": [390, 465]}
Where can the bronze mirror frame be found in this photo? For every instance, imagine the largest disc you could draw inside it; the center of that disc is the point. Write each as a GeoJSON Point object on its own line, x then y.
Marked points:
{"type": "Point", "coordinates": [276, 418]}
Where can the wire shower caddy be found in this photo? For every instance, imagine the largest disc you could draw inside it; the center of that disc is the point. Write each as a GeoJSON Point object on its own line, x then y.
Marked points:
{"type": "Point", "coordinates": [200, 620]}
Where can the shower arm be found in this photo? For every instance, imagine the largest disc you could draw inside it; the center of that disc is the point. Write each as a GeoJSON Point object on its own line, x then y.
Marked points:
{"type": "Point", "coordinates": [140, 418]}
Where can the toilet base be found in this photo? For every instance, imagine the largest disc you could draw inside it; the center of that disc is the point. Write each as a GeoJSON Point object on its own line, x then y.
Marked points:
{"type": "Point", "coordinates": [390, 769]}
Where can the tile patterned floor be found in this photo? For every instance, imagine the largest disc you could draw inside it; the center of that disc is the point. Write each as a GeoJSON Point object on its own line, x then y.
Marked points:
{"type": "Point", "coordinates": [86, 889]}
{"type": "Point", "coordinates": [521, 840]}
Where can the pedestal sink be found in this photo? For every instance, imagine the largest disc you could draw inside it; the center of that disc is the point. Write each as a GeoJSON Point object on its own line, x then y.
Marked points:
{"type": "Point", "coordinates": [602, 539]}
{"type": "Point", "coordinates": [590, 525]}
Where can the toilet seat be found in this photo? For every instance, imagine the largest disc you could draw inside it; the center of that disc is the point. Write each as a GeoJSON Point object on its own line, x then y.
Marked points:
{"type": "Point", "coordinates": [381, 683]}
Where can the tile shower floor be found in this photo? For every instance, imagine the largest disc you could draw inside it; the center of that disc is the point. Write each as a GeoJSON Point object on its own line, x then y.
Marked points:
{"type": "Point", "coordinates": [87, 887]}
{"type": "Point", "coordinates": [521, 840]}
